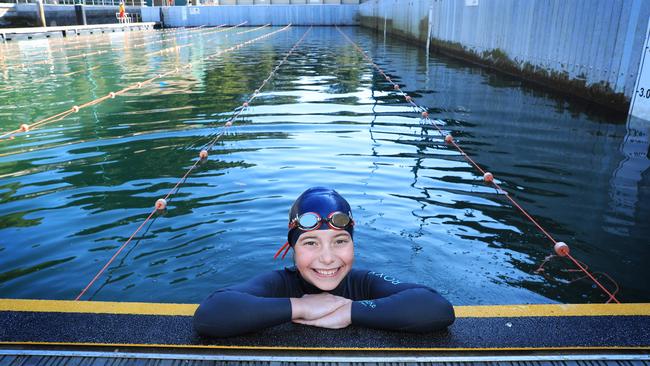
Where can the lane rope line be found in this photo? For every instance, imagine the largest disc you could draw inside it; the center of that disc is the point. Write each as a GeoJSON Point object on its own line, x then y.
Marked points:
{"type": "Point", "coordinates": [254, 29]}
{"type": "Point", "coordinates": [177, 48]}
{"type": "Point", "coordinates": [161, 204]}
{"type": "Point", "coordinates": [81, 45]}
{"type": "Point", "coordinates": [59, 116]}
{"type": "Point", "coordinates": [161, 51]}
{"type": "Point", "coordinates": [111, 50]}
{"type": "Point", "coordinates": [560, 248]}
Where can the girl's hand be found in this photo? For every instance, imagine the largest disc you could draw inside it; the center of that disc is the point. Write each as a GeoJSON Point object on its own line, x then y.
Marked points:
{"type": "Point", "coordinates": [311, 307]}
{"type": "Point", "coordinates": [340, 318]}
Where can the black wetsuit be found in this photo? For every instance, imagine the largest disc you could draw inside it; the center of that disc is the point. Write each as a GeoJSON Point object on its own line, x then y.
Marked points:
{"type": "Point", "coordinates": [379, 301]}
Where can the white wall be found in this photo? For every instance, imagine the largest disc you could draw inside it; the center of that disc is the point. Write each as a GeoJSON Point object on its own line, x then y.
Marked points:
{"type": "Point", "coordinates": [184, 16]}
{"type": "Point", "coordinates": [596, 41]}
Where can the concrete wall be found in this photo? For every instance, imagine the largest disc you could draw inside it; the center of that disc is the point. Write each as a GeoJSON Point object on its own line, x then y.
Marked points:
{"type": "Point", "coordinates": [25, 15]}
{"type": "Point", "coordinates": [590, 48]}
{"type": "Point", "coordinates": [254, 14]}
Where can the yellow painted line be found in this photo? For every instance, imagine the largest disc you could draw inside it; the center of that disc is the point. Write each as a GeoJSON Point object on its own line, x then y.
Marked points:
{"type": "Point", "coordinates": [513, 311]}
{"type": "Point", "coordinates": [488, 311]}
{"type": "Point", "coordinates": [101, 307]}
{"type": "Point", "coordinates": [267, 348]}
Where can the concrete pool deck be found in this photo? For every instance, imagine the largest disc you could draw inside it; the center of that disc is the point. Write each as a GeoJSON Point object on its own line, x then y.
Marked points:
{"type": "Point", "coordinates": [603, 327]}
{"type": "Point", "coordinates": [48, 332]}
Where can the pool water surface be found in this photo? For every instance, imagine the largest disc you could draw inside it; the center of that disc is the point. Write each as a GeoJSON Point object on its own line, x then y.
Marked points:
{"type": "Point", "coordinates": [73, 191]}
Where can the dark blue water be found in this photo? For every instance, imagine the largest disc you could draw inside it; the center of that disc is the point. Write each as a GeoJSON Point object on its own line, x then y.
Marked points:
{"type": "Point", "coordinates": [73, 191]}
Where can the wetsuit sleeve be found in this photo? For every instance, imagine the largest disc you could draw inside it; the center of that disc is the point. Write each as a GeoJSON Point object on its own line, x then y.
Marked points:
{"type": "Point", "coordinates": [393, 305]}
{"type": "Point", "coordinates": [247, 307]}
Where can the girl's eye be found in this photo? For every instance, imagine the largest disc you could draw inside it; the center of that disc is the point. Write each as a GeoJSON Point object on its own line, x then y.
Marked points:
{"type": "Point", "coordinates": [341, 242]}
{"type": "Point", "coordinates": [311, 242]}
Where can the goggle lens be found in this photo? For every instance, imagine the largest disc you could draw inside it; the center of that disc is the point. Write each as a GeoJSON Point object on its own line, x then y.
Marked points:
{"type": "Point", "coordinates": [311, 221]}
{"type": "Point", "coordinates": [308, 221]}
{"type": "Point", "coordinates": [339, 220]}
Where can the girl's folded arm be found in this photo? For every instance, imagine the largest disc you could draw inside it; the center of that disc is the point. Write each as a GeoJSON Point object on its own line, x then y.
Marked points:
{"type": "Point", "coordinates": [394, 305]}
{"type": "Point", "coordinates": [247, 307]}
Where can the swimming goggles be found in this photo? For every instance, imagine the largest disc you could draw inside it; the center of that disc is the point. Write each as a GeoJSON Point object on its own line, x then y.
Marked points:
{"type": "Point", "coordinates": [309, 221]}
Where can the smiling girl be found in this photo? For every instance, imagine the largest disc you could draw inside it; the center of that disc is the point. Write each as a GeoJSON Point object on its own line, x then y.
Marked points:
{"type": "Point", "coordinates": [322, 289]}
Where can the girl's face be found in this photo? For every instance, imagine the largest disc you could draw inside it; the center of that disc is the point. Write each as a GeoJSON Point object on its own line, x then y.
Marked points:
{"type": "Point", "coordinates": [324, 257]}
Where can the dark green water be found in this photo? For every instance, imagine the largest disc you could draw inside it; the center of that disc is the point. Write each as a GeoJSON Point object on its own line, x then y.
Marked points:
{"type": "Point", "coordinates": [72, 192]}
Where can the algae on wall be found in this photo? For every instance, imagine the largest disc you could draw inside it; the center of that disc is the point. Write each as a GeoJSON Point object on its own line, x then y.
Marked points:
{"type": "Point", "coordinates": [592, 52]}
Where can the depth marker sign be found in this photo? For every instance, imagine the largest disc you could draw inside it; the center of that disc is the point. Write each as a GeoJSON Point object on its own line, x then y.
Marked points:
{"type": "Point", "coordinates": [640, 105]}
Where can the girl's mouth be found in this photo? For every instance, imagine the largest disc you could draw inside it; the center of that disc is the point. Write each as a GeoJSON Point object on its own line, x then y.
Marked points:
{"type": "Point", "coordinates": [326, 273]}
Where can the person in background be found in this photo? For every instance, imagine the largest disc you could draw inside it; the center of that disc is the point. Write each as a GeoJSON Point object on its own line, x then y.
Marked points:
{"type": "Point", "coordinates": [322, 289]}
{"type": "Point", "coordinates": [122, 14]}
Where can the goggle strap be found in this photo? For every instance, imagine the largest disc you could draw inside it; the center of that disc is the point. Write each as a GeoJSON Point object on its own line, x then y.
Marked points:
{"type": "Point", "coordinates": [287, 250]}
{"type": "Point", "coordinates": [285, 245]}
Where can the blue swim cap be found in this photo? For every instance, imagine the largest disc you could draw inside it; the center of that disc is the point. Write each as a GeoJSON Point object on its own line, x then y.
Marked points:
{"type": "Point", "coordinates": [322, 202]}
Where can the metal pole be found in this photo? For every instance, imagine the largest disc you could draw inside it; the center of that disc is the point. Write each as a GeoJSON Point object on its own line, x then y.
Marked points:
{"type": "Point", "coordinates": [429, 29]}
{"type": "Point", "coordinates": [80, 12]}
{"type": "Point", "coordinates": [385, 16]}
{"type": "Point", "coordinates": [41, 13]}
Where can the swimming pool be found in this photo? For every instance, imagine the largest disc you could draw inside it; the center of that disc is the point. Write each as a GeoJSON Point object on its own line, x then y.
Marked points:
{"type": "Point", "coordinates": [73, 191]}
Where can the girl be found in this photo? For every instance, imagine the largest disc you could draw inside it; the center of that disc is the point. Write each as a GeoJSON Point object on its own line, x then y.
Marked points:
{"type": "Point", "coordinates": [322, 289]}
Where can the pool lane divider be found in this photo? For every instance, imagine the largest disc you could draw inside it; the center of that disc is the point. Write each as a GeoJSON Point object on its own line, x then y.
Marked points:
{"type": "Point", "coordinates": [161, 204]}
{"type": "Point", "coordinates": [113, 50]}
{"type": "Point", "coordinates": [549, 327]}
{"type": "Point", "coordinates": [79, 41]}
{"type": "Point", "coordinates": [560, 248]}
{"type": "Point", "coordinates": [62, 49]}
{"type": "Point", "coordinates": [211, 30]}
{"type": "Point", "coordinates": [178, 48]}
{"type": "Point", "coordinates": [137, 45]}
{"type": "Point", "coordinates": [59, 116]}
{"type": "Point", "coordinates": [254, 29]}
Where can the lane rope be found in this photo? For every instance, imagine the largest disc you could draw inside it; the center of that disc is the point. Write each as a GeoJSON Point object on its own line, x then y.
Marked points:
{"type": "Point", "coordinates": [112, 50]}
{"type": "Point", "coordinates": [80, 44]}
{"type": "Point", "coordinates": [254, 29]}
{"type": "Point", "coordinates": [59, 116]}
{"type": "Point", "coordinates": [130, 47]}
{"type": "Point", "coordinates": [560, 248]}
{"type": "Point", "coordinates": [161, 204]}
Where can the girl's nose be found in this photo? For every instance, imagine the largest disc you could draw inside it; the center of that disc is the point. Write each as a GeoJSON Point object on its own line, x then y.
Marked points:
{"type": "Point", "coordinates": [326, 256]}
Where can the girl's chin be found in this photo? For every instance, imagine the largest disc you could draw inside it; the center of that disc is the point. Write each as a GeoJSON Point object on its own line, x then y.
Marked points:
{"type": "Point", "coordinates": [326, 286]}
